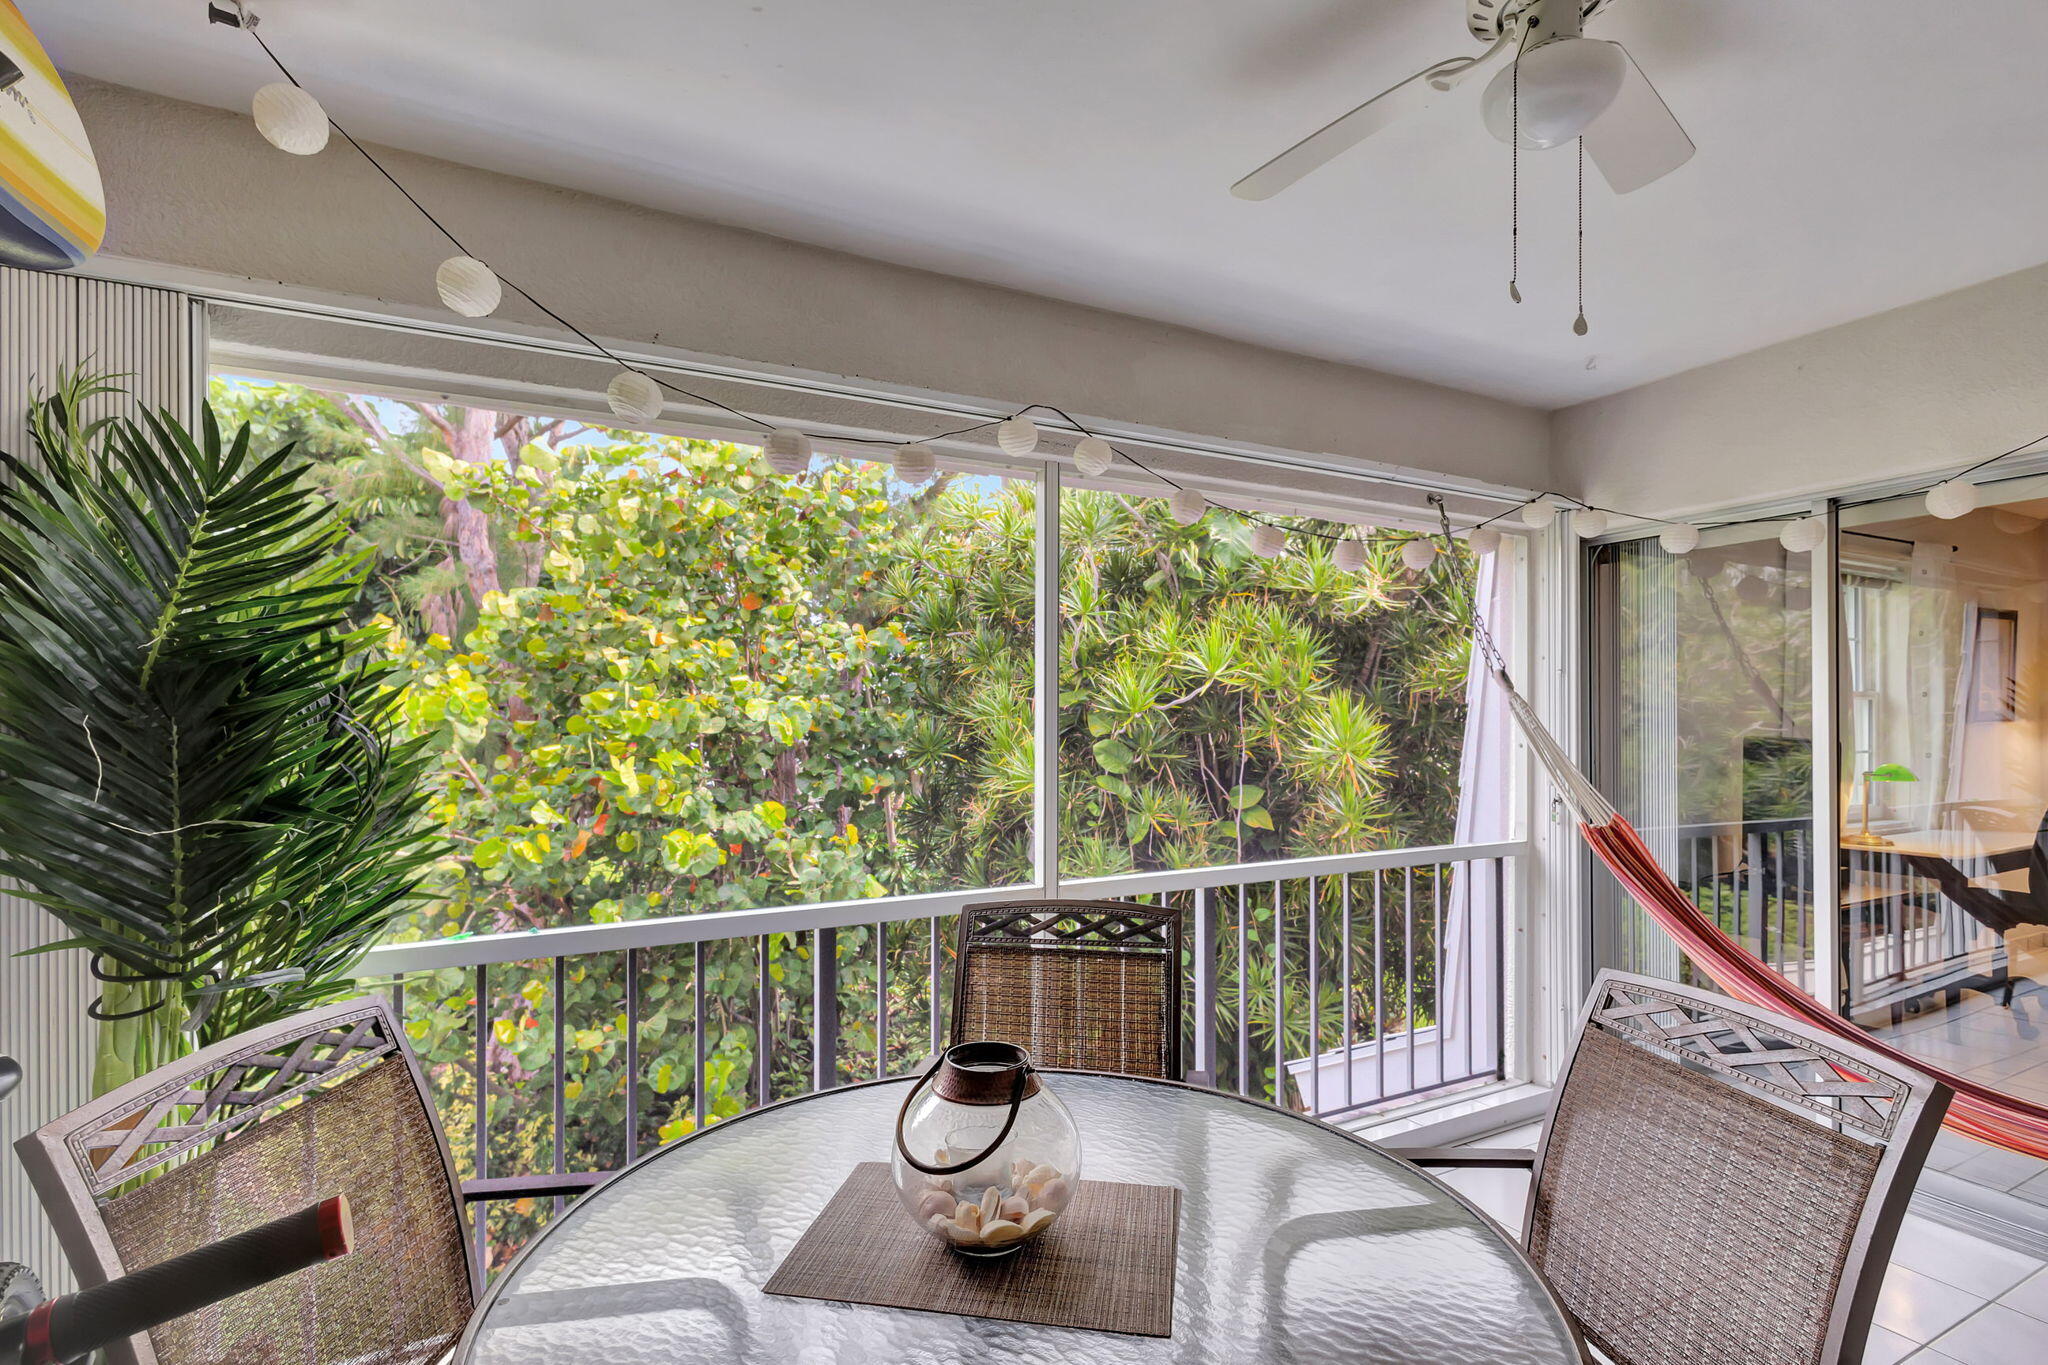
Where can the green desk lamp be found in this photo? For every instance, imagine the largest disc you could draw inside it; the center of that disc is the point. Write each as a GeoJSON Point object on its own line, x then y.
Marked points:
{"type": "Point", "coordinates": [1884, 772]}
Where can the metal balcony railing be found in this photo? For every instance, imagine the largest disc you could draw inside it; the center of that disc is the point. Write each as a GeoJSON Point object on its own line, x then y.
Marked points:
{"type": "Point", "coordinates": [1332, 985]}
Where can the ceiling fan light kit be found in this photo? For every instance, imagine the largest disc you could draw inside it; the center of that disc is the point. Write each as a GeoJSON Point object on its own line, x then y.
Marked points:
{"type": "Point", "coordinates": [1565, 83]}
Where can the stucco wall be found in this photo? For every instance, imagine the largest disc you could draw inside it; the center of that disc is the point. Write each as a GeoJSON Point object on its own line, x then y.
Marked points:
{"type": "Point", "coordinates": [1920, 389]}
{"type": "Point", "coordinates": [196, 187]}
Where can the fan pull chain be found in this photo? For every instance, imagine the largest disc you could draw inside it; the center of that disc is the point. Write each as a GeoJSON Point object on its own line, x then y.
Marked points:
{"type": "Point", "coordinates": [1579, 324]}
{"type": "Point", "coordinates": [1515, 181]}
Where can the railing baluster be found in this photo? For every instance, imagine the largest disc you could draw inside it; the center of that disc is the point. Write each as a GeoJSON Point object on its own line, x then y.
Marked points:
{"type": "Point", "coordinates": [1279, 996]}
{"type": "Point", "coordinates": [483, 1115]}
{"type": "Point", "coordinates": [938, 1026]}
{"type": "Point", "coordinates": [1350, 1085]}
{"type": "Point", "coordinates": [559, 1072]}
{"type": "Point", "coordinates": [764, 1026]}
{"type": "Point", "coordinates": [1379, 981]}
{"type": "Point", "coordinates": [1408, 964]}
{"type": "Point", "coordinates": [1500, 976]}
{"type": "Point", "coordinates": [1467, 875]}
{"type": "Point", "coordinates": [881, 1001]}
{"type": "Point", "coordinates": [1315, 1000]}
{"type": "Point", "coordinates": [697, 1003]}
{"type": "Point", "coordinates": [1244, 994]}
{"type": "Point", "coordinates": [824, 1008]}
{"type": "Point", "coordinates": [1436, 973]}
{"type": "Point", "coordinates": [632, 1055]}
{"type": "Point", "coordinates": [1204, 973]}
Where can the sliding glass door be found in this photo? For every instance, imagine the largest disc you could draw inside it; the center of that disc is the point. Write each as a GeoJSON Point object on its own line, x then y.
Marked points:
{"type": "Point", "coordinates": [1701, 718]}
{"type": "Point", "coordinates": [1945, 794]}
{"type": "Point", "coordinates": [1920, 908]}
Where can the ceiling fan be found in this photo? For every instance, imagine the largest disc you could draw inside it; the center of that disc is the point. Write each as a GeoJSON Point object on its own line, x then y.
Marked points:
{"type": "Point", "coordinates": [1568, 86]}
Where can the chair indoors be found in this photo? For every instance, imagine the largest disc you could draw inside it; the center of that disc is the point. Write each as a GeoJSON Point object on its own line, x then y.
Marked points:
{"type": "Point", "coordinates": [331, 1101]}
{"type": "Point", "coordinates": [1089, 985]}
{"type": "Point", "coordinates": [1718, 1185]}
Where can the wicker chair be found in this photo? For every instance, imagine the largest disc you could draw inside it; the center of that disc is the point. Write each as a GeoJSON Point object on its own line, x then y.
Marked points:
{"type": "Point", "coordinates": [1716, 1184]}
{"type": "Point", "coordinates": [1092, 985]}
{"type": "Point", "coordinates": [331, 1101]}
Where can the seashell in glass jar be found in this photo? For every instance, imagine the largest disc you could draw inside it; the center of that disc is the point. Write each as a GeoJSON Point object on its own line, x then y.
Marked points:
{"type": "Point", "coordinates": [987, 1158]}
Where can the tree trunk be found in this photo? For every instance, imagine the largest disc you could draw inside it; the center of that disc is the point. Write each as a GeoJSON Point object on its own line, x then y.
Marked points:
{"type": "Point", "coordinates": [440, 612]}
{"type": "Point", "coordinates": [473, 441]}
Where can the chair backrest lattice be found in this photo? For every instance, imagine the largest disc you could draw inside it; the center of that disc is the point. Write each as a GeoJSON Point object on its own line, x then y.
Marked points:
{"type": "Point", "coordinates": [1697, 1146]}
{"type": "Point", "coordinates": [1091, 985]}
{"type": "Point", "coordinates": [329, 1102]}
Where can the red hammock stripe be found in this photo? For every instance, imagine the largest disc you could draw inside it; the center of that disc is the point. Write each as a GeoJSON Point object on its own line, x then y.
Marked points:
{"type": "Point", "coordinates": [1977, 1110]}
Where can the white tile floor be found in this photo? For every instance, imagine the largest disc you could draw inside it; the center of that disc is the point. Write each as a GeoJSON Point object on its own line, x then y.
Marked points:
{"type": "Point", "coordinates": [1950, 1299]}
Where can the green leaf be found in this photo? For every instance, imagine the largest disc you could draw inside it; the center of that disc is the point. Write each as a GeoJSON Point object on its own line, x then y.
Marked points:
{"type": "Point", "coordinates": [1113, 756]}
{"type": "Point", "coordinates": [1247, 796]}
{"type": "Point", "coordinates": [1258, 818]}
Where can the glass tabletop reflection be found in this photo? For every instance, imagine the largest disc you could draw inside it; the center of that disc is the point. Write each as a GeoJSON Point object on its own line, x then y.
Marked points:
{"type": "Point", "coordinates": [1297, 1243]}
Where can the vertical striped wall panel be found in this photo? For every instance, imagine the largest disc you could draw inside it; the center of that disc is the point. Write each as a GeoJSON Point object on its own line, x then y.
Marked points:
{"type": "Point", "coordinates": [49, 323]}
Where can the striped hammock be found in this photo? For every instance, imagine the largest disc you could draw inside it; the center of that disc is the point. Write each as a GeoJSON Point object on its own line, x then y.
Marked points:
{"type": "Point", "coordinates": [1977, 1110]}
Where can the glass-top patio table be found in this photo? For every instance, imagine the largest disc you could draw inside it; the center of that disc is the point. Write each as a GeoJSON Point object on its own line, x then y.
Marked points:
{"type": "Point", "coordinates": [1298, 1242]}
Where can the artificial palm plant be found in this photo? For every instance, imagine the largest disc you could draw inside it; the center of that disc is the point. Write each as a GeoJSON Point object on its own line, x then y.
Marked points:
{"type": "Point", "coordinates": [198, 775]}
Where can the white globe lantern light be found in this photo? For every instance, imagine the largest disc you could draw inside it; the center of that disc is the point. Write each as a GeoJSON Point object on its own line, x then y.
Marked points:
{"type": "Point", "coordinates": [1804, 535]}
{"type": "Point", "coordinates": [633, 397]}
{"type": "Point", "coordinates": [1589, 522]}
{"type": "Point", "coordinates": [289, 118]}
{"type": "Point", "coordinates": [1092, 456]}
{"type": "Point", "coordinates": [1483, 540]}
{"type": "Point", "coordinates": [1349, 556]}
{"type": "Point", "coordinates": [1187, 506]}
{"type": "Point", "coordinates": [1538, 513]}
{"type": "Point", "coordinates": [1268, 542]}
{"type": "Point", "coordinates": [468, 286]}
{"type": "Point", "coordinates": [788, 451]}
{"type": "Point", "coordinates": [1956, 498]}
{"type": "Point", "coordinates": [916, 463]}
{"type": "Point", "coordinates": [1418, 555]}
{"type": "Point", "coordinates": [1681, 539]}
{"type": "Point", "coordinates": [1017, 437]}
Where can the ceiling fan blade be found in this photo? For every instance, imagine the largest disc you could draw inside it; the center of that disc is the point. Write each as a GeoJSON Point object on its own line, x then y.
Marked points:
{"type": "Point", "coordinates": [1333, 139]}
{"type": "Point", "coordinates": [1636, 140]}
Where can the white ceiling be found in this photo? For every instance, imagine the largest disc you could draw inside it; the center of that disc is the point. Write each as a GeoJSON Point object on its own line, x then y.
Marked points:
{"type": "Point", "coordinates": [1854, 156]}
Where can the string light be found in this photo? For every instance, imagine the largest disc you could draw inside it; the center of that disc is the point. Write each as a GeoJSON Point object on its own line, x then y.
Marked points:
{"type": "Point", "coordinates": [289, 118]}
{"type": "Point", "coordinates": [1418, 555]}
{"type": "Point", "coordinates": [633, 397]}
{"type": "Point", "coordinates": [1092, 457]}
{"type": "Point", "coordinates": [469, 287]}
{"type": "Point", "coordinates": [1952, 499]}
{"type": "Point", "coordinates": [1349, 556]}
{"type": "Point", "coordinates": [788, 451]}
{"type": "Point", "coordinates": [1017, 437]}
{"type": "Point", "coordinates": [1681, 539]}
{"type": "Point", "coordinates": [916, 463]}
{"type": "Point", "coordinates": [1804, 535]}
{"type": "Point", "coordinates": [293, 120]}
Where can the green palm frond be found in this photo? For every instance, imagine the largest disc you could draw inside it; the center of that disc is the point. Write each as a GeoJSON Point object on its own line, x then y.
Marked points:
{"type": "Point", "coordinates": [197, 771]}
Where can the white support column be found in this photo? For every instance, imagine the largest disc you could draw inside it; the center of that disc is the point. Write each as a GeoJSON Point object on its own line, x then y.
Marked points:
{"type": "Point", "coordinates": [1045, 806]}
{"type": "Point", "coordinates": [1827, 761]}
{"type": "Point", "coordinates": [1549, 951]}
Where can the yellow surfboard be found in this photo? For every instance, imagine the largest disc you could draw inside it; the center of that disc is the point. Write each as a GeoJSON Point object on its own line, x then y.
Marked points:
{"type": "Point", "coordinates": [53, 212]}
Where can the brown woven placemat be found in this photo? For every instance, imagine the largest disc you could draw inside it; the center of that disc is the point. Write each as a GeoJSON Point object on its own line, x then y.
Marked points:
{"type": "Point", "coordinates": [1106, 1264]}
